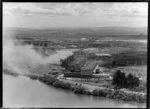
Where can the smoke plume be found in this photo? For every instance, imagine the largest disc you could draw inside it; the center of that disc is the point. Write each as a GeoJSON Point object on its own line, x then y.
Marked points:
{"type": "Point", "coordinates": [20, 58]}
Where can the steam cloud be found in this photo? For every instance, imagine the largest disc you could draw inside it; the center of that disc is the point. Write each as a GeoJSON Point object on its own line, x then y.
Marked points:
{"type": "Point", "coordinates": [20, 58]}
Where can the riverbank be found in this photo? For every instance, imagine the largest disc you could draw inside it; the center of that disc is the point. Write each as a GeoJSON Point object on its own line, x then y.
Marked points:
{"type": "Point", "coordinates": [77, 88]}
{"type": "Point", "coordinates": [22, 91]}
{"type": "Point", "coordinates": [86, 89]}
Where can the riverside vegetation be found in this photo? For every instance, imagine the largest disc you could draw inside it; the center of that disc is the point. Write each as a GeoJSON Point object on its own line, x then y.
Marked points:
{"type": "Point", "coordinates": [123, 86]}
{"type": "Point", "coordinates": [120, 82]}
{"type": "Point", "coordinates": [121, 94]}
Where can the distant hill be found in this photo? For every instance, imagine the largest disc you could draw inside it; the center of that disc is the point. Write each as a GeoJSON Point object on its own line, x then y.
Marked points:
{"type": "Point", "coordinates": [77, 33]}
{"type": "Point", "coordinates": [121, 30]}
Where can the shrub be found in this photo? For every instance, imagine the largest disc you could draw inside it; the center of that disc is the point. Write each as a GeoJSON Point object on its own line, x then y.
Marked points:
{"type": "Point", "coordinates": [88, 92]}
{"type": "Point", "coordinates": [95, 92]}
{"type": "Point", "coordinates": [110, 93]}
{"type": "Point", "coordinates": [58, 84]}
{"type": "Point", "coordinates": [100, 92]}
{"type": "Point", "coordinates": [140, 88]}
{"type": "Point", "coordinates": [61, 84]}
{"type": "Point", "coordinates": [131, 96]}
{"type": "Point", "coordinates": [79, 90]}
{"type": "Point", "coordinates": [47, 79]}
{"type": "Point", "coordinates": [120, 95]}
{"type": "Point", "coordinates": [67, 86]}
{"type": "Point", "coordinates": [34, 77]}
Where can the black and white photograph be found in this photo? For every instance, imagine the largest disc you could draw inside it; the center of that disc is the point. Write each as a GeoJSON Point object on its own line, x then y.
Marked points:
{"type": "Point", "coordinates": [74, 54]}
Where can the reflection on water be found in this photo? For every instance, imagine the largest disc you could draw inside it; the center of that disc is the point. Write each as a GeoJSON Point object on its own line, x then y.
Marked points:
{"type": "Point", "coordinates": [24, 92]}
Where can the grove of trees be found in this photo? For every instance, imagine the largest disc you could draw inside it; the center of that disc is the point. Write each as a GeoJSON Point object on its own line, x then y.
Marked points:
{"type": "Point", "coordinates": [66, 62]}
{"type": "Point", "coordinates": [125, 81]}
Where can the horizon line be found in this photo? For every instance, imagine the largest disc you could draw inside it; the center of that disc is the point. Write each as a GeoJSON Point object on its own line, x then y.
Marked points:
{"type": "Point", "coordinates": [75, 27]}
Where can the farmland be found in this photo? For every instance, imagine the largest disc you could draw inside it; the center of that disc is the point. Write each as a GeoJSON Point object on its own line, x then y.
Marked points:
{"type": "Point", "coordinates": [74, 34]}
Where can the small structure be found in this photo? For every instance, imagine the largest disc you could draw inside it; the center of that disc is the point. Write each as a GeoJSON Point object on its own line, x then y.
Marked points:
{"type": "Point", "coordinates": [98, 72]}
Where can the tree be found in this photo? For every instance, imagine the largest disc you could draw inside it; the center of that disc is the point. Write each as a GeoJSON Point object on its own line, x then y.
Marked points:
{"type": "Point", "coordinates": [66, 62]}
{"type": "Point", "coordinates": [113, 63]}
{"type": "Point", "coordinates": [119, 78]}
{"type": "Point", "coordinates": [132, 81]}
{"type": "Point", "coordinates": [130, 78]}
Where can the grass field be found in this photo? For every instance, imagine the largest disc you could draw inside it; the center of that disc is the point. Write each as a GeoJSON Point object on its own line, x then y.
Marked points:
{"type": "Point", "coordinates": [113, 50]}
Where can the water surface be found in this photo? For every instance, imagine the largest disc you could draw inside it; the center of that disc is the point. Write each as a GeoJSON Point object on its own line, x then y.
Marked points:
{"type": "Point", "coordinates": [24, 92]}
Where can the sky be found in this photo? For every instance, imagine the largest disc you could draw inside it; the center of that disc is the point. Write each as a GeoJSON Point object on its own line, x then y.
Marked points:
{"type": "Point", "coordinates": [55, 15]}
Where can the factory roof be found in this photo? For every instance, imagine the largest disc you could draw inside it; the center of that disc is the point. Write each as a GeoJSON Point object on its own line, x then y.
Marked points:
{"type": "Point", "coordinates": [90, 64]}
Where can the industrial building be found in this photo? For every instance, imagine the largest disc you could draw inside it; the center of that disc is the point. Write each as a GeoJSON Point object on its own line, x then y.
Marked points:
{"type": "Point", "coordinates": [90, 69]}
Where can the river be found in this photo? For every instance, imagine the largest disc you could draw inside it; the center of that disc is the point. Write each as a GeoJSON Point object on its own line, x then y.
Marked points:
{"type": "Point", "coordinates": [23, 92]}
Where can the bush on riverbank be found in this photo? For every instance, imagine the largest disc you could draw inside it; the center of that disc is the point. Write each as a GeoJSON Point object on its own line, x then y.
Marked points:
{"type": "Point", "coordinates": [61, 84]}
{"type": "Point", "coordinates": [51, 80]}
{"type": "Point", "coordinates": [64, 85]}
{"type": "Point", "coordinates": [99, 92]}
{"type": "Point", "coordinates": [104, 92]}
{"type": "Point", "coordinates": [80, 90]}
{"type": "Point", "coordinates": [34, 77]}
{"type": "Point", "coordinates": [131, 96]}
{"type": "Point", "coordinates": [120, 94]}
{"type": "Point", "coordinates": [48, 79]}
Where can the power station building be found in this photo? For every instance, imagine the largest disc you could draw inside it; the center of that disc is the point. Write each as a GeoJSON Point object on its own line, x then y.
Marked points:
{"type": "Point", "coordinates": [90, 69]}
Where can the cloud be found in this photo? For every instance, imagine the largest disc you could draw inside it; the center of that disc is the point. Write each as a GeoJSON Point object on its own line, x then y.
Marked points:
{"type": "Point", "coordinates": [27, 12]}
{"type": "Point", "coordinates": [76, 9]}
{"type": "Point", "coordinates": [71, 8]}
{"type": "Point", "coordinates": [66, 9]}
{"type": "Point", "coordinates": [133, 9]}
{"type": "Point", "coordinates": [124, 10]}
